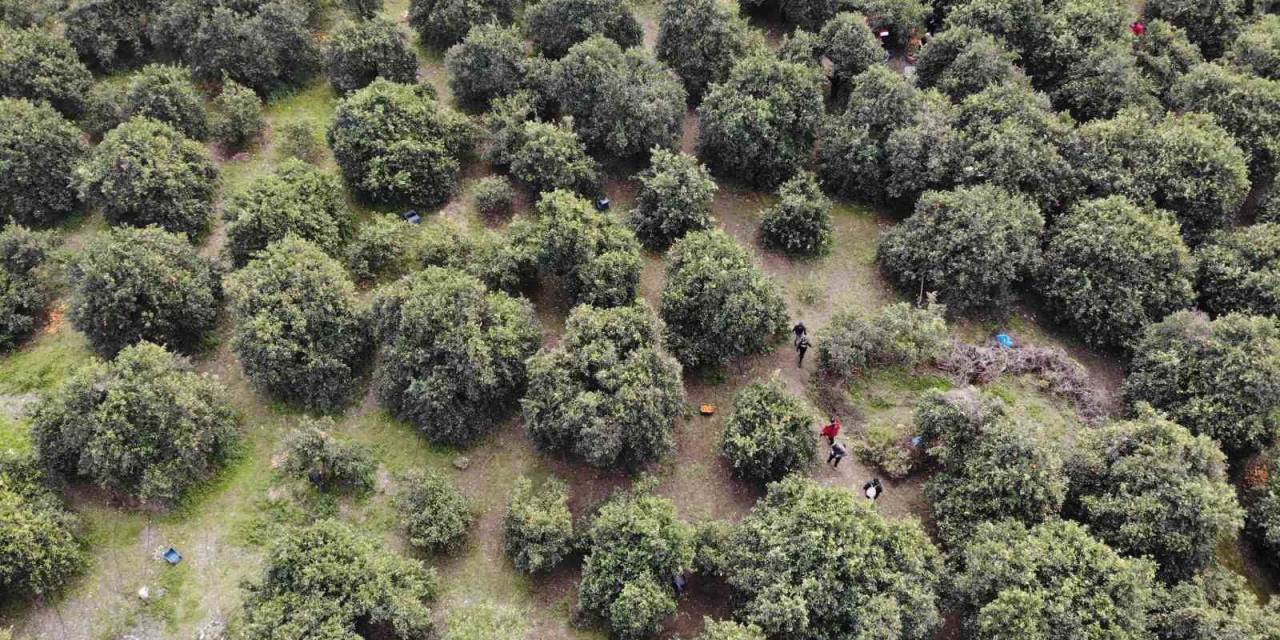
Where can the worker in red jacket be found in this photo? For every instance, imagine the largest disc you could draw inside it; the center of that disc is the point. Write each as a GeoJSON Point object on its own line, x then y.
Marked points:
{"type": "Point", "coordinates": [832, 430]}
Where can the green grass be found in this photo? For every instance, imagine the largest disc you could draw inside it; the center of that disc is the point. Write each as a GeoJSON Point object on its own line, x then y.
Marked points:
{"type": "Point", "coordinates": [44, 362]}
{"type": "Point", "coordinates": [14, 435]}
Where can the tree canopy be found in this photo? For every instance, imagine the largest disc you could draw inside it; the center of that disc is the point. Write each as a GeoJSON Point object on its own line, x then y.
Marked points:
{"type": "Point", "coordinates": [538, 527]}
{"type": "Point", "coordinates": [39, 548]}
{"type": "Point", "coordinates": [489, 63]}
{"type": "Point", "coordinates": [596, 254]}
{"type": "Point", "coordinates": [296, 199]}
{"type": "Point", "coordinates": [769, 434]}
{"type": "Point", "coordinates": [25, 289]}
{"type": "Point", "coordinates": [37, 65]}
{"type": "Point", "coordinates": [360, 52]}
{"type": "Point", "coordinates": [165, 93]}
{"type": "Point", "coordinates": [709, 27]}
{"type": "Point", "coordinates": [442, 23]}
{"type": "Point", "coordinates": [39, 151]}
{"type": "Point", "coordinates": [1239, 270]}
{"type": "Point", "coordinates": [556, 25]}
{"type": "Point", "coordinates": [675, 198]}
{"type": "Point", "coordinates": [800, 224]}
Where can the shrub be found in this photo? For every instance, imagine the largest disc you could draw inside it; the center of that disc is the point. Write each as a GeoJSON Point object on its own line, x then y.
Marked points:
{"type": "Point", "coordinates": [297, 199]}
{"type": "Point", "coordinates": [21, 14]}
{"type": "Point", "coordinates": [109, 34]}
{"type": "Point", "coordinates": [1211, 605]}
{"type": "Point", "coordinates": [994, 467]}
{"type": "Point", "coordinates": [885, 447]}
{"type": "Point", "coordinates": [759, 125]}
{"type": "Point", "coordinates": [903, 18]}
{"type": "Point", "coordinates": [1211, 25]}
{"type": "Point", "coordinates": [962, 61]}
{"type": "Point", "coordinates": [597, 255]}
{"type": "Point", "coordinates": [433, 512]}
{"type": "Point", "coordinates": [380, 247]}
{"type": "Point", "coordinates": [1240, 271]}
{"type": "Point", "coordinates": [364, 9]}
{"type": "Point", "coordinates": [847, 41]}
{"type": "Point", "coordinates": [145, 172]}
{"type": "Point", "coordinates": [800, 224]}
{"type": "Point", "coordinates": [971, 245]}
{"type": "Point", "coordinates": [711, 28]}
{"type": "Point", "coordinates": [1257, 50]}
{"type": "Point", "coordinates": [505, 262]}
{"type": "Point", "coordinates": [1011, 579]}
{"type": "Point", "coordinates": [1185, 164]}
{"type": "Point", "coordinates": [1147, 487]}
{"type": "Point", "coordinates": [538, 527]}
{"type": "Point", "coordinates": [675, 198]}
{"type": "Point", "coordinates": [396, 144]}
{"type": "Point", "coordinates": [453, 355]}
{"type": "Point", "coordinates": [556, 25]}
{"type": "Point", "coordinates": [1165, 54]}
{"type": "Point", "coordinates": [146, 284]}
{"type": "Point", "coordinates": [39, 66]}
{"type": "Point", "coordinates": [493, 196]}
{"type": "Point", "coordinates": [442, 23]}
{"type": "Point", "coordinates": [925, 154]}
{"type": "Point", "coordinates": [717, 305]}
{"type": "Point", "coordinates": [549, 156]}
{"type": "Point", "coordinates": [729, 630]}
{"type": "Point", "coordinates": [1247, 106]}
{"type": "Point", "coordinates": [116, 423]}
{"type": "Point", "coordinates": [369, 49]}
{"type": "Point", "coordinates": [165, 94]}
{"type": "Point", "coordinates": [298, 139]}
{"type": "Point", "coordinates": [634, 546]}
{"type": "Point", "coordinates": [607, 393]}
{"type": "Point", "coordinates": [328, 580]}
{"type": "Point", "coordinates": [623, 103]}
{"type": "Point", "coordinates": [24, 291]}
{"type": "Point", "coordinates": [1109, 290]}
{"type": "Point", "coordinates": [788, 585]}
{"type": "Point", "coordinates": [238, 115]}
{"type": "Point", "coordinates": [1106, 80]}
{"type": "Point", "coordinates": [769, 435]}
{"type": "Point", "coordinates": [329, 464]}
{"type": "Point", "coordinates": [900, 335]}
{"type": "Point", "coordinates": [301, 337]}
{"type": "Point", "coordinates": [1262, 502]}
{"type": "Point", "coordinates": [40, 550]}
{"type": "Point", "coordinates": [487, 64]}
{"type": "Point", "coordinates": [39, 151]}
{"type": "Point", "coordinates": [1219, 378]}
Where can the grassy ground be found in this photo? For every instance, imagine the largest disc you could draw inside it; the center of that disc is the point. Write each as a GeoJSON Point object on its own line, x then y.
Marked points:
{"type": "Point", "coordinates": [222, 528]}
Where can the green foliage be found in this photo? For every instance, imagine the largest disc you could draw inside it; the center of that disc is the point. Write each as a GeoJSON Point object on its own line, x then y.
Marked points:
{"type": "Point", "coordinates": [729, 630]}
{"type": "Point", "coordinates": [145, 172]}
{"type": "Point", "coordinates": [364, 9]}
{"type": "Point", "coordinates": [164, 93]}
{"type": "Point", "coordinates": [24, 290]}
{"type": "Point", "coordinates": [298, 139]}
{"type": "Point", "coordinates": [1262, 504]}
{"type": "Point", "coordinates": [607, 393]}
{"type": "Point", "coordinates": [360, 52]}
{"type": "Point", "coordinates": [1165, 54]}
{"type": "Point", "coordinates": [556, 25]}
{"type": "Point", "coordinates": [1107, 79]}
{"type": "Point", "coordinates": [453, 353]}
{"type": "Point", "coordinates": [759, 125]}
{"type": "Point", "coordinates": [1257, 50]}
{"type": "Point", "coordinates": [1052, 581]}
{"type": "Point", "coordinates": [37, 65]}
{"type": "Point", "coordinates": [900, 334]}
{"type": "Point", "coordinates": [38, 545]}
{"type": "Point", "coordinates": [848, 42]}
{"type": "Point", "coordinates": [596, 253]}
{"type": "Point", "coordinates": [311, 453]}
{"type": "Point", "coordinates": [493, 196]}
{"type": "Point", "coordinates": [144, 425]}
{"type": "Point", "coordinates": [380, 247]}
{"type": "Point", "coordinates": [39, 151]}
{"type": "Point", "coordinates": [545, 156]}
{"type": "Point", "coordinates": [805, 552]}
{"type": "Point", "coordinates": [970, 245]}
{"type": "Point", "coordinates": [433, 512]}
{"type": "Point", "coordinates": [717, 304]}
{"type": "Point", "coordinates": [962, 61]}
{"type": "Point", "coordinates": [809, 15]}
{"type": "Point", "coordinates": [994, 467]}
{"type": "Point", "coordinates": [1216, 604]}
{"type": "Point", "coordinates": [146, 284]}
{"type": "Point", "coordinates": [1022, 24]}
{"type": "Point", "coordinates": [301, 336]}
{"type": "Point", "coordinates": [921, 155]}
{"type": "Point", "coordinates": [538, 527]}
{"type": "Point", "coordinates": [800, 224]}
{"type": "Point", "coordinates": [903, 18]}
{"type": "Point", "coordinates": [709, 27]}
{"type": "Point", "coordinates": [489, 63]}
{"type": "Point", "coordinates": [1108, 290]}
{"type": "Point", "coordinates": [769, 434]}
{"type": "Point", "coordinates": [237, 118]}
{"type": "Point", "coordinates": [886, 447]}
{"type": "Point", "coordinates": [1239, 270]}
{"type": "Point", "coordinates": [297, 199]}
{"type": "Point", "coordinates": [636, 544]}
{"type": "Point", "coordinates": [442, 23]}
{"type": "Point", "coordinates": [1219, 378]}
{"type": "Point", "coordinates": [505, 262]}
{"type": "Point", "coordinates": [1185, 164]}
{"type": "Point", "coordinates": [1211, 25]}
{"type": "Point", "coordinates": [396, 144]}
{"type": "Point", "coordinates": [1247, 106]}
{"type": "Point", "coordinates": [1147, 487]}
{"type": "Point", "coordinates": [109, 34]}
{"type": "Point", "coordinates": [675, 198]}
{"type": "Point", "coordinates": [623, 103]}
{"type": "Point", "coordinates": [262, 44]}
{"type": "Point", "coordinates": [327, 580]}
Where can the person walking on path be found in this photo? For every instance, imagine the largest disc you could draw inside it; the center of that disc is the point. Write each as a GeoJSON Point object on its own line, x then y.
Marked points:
{"type": "Point", "coordinates": [838, 453]}
{"type": "Point", "coordinates": [873, 489]}
{"type": "Point", "coordinates": [801, 331]}
{"type": "Point", "coordinates": [832, 430]}
{"type": "Point", "coordinates": [802, 346]}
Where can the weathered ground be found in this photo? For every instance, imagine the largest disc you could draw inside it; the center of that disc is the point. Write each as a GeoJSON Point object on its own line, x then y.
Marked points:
{"type": "Point", "coordinates": [221, 530]}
